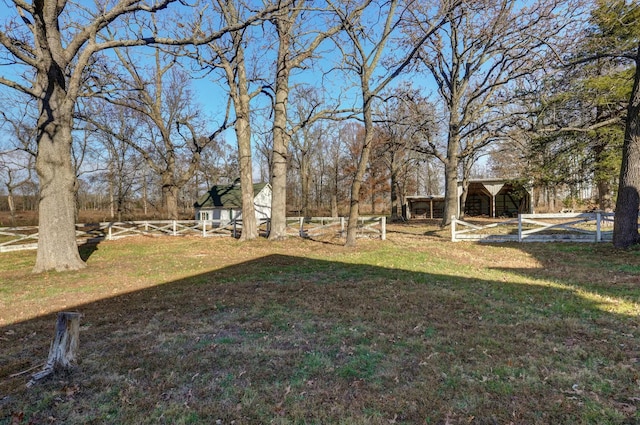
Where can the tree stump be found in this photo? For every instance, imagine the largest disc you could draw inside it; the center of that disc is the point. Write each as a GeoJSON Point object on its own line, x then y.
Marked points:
{"type": "Point", "coordinates": [62, 353]}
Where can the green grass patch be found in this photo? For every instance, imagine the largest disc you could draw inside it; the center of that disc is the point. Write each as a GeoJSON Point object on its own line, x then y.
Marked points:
{"type": "Point", "coordinates": [412, 330]}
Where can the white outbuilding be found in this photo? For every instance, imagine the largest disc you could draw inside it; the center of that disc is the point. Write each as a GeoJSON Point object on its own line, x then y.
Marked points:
{"type": "Point", "coordinates": [223, 203]}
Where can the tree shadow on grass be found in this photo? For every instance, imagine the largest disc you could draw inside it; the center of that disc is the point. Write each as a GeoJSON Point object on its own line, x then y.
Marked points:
{"type": "Point", "coordinates": [87, 249]}
{"type": "Point", "coordinates": [296, 340]}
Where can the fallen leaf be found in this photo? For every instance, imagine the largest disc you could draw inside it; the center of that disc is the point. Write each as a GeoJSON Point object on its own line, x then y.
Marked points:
{"type": "Point", "coordinates": [16, 418]}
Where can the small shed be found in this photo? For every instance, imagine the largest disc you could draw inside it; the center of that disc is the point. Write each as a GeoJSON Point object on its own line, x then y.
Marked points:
{"type": "Point", "coordinates": [429, 206]}
{"type": "Point", "coordinates": [223, 203]}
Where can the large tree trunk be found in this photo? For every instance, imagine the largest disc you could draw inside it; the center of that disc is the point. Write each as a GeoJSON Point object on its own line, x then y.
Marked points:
{"type": "Point", "coordinates": [354, 207]}
{"type": "Point", "coordinates": [280, 136]}
{"type": "Point", "coordinates": [305, 180]}
{"type": "Point", "coordinates": [395, 211]}
{"type": "Point", "coordinates": [243, 133]}
{"type": "Point", "coordinates": [280, 151]}
{"type": "Point", "coordinates": [112, 209]}
{"type": "Point", "coordinates": [57, 246]}
{"type": "Point", "coordinates": [463, 198]}
{"type": "Point", "coordinates": [145, 202]}
{"type": "Point", "coordinates": [12, 205]}
{"type": "Point", "coordinates": [451, 175]}
{"type": "Point", "coordinates": [450, 190]}
{"type": "Point", "coordinates": [170, 196]}
{"type": "Point", "coordinates": [625, 228]}
{"type": "Point", "coordinates": [334, 203]}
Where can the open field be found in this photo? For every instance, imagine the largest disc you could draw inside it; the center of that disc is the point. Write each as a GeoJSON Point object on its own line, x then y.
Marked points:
{"type": "Point", "coordinates": [413, 330]}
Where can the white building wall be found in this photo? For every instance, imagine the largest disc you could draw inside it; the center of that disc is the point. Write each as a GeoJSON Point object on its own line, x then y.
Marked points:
{"type": "Point", "coordinates": [262, 203]}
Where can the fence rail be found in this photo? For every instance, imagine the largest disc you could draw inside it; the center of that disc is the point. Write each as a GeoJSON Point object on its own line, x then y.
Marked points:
{"type": "Point", "coordinates": [570, 227]}
{"type": "Point", "coordinates": [311, 227]}
{"type": "Point", "coordinates": [26, 237]}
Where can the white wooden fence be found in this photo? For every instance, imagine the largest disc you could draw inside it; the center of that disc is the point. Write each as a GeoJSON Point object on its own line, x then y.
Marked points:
{"type": "Point", "coordinates": [573, 227]}
{"type": "Point", "coordinates": [26, 237]}
{"type": "Point", "coordinates": [311, 227]}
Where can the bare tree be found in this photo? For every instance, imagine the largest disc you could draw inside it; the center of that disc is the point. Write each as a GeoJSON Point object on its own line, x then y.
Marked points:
{"type": "Point", "coordinates": [228, 54]}
{"type": "Point", "coordinates": [159, 95]}
{"type": "Point", "coordinates": [117, 128]}
{"type": "Point", "coordinates": [483, 48]}
{"type": "Point", "coordinates": [306, 142]}
{"type": "Point", "coordinates": [296, 44]}
{"type": "Point", "coordinates": [334, 153]}
{"type": "Point", "coordinates": [51, 46]}
{"type": "Point", "coordinates": [17, 160]}
{"type": "Point", "coordinates": [399, 130]}
{"type": "Point", "coordinates": [15, 172]}
{"type": "Point", "coordinates": [305, 131]}
{"type": "Point", "coordinates": [363, 47]}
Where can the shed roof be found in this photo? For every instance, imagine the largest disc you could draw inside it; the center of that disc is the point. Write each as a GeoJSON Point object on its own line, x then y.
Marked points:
{"type": "Point", "coordinates": [226, 196]}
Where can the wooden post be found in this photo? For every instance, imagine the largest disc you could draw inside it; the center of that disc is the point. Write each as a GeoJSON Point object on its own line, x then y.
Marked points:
{"type": "Point", "coordinates": [519, 227]}
{"type": "Point", "coordinates": [383, 228]}
{"type": "Point", "coordinates": [64, 347]}
{"type": "Point", "coordinates": [598, 229]}
{"type": "Point", "coordinates": [453, 228]}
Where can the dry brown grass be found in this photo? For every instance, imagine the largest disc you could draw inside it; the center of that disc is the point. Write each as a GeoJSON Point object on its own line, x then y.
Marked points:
{"type": "Point", "coordinates": [412, 330]}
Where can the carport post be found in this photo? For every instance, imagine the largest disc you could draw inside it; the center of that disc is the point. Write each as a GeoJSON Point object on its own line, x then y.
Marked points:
{"type": "Point", "coordinates": [493, 205]}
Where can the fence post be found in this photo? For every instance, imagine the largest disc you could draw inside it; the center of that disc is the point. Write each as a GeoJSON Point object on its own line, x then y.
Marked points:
{"type": "Point", "coordinates": [453, 228]}
{"type": "Point", "coordinates": [109, 236]}
{"type": "Point", "coordinates": [301, 231]}
{"type": "Point", "coordinates": [174, 227]}
{"type": "Point", "coordinates": [519, 227]}
{"type": "Point", "coordinates": [204, 228]}
{"type": "Point", "coordinates": [598, 230]}
{"type": "Point", "coordinates": [341, 226]}
{"type": "Point", "coordinates": [383, 228]}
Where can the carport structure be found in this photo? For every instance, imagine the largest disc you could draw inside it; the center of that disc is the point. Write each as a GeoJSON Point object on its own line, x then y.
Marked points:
{"type": "Point", "coordinates": [486, 197]}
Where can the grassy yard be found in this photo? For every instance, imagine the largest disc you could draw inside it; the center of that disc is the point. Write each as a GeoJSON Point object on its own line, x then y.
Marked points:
{"type": "Point", "coordinates": [413, 330]}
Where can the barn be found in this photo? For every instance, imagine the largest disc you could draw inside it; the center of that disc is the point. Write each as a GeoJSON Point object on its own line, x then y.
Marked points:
{"type": "Point", "coordinates": [223, 203]}
{"type": "Point", "coordinates": [486, 197]}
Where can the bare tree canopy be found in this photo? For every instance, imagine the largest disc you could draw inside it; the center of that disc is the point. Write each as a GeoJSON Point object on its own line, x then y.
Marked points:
{"type": "Point", "coordinates": [475, 58]}
{"type": "Point", "coordinates": [51, 47]}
